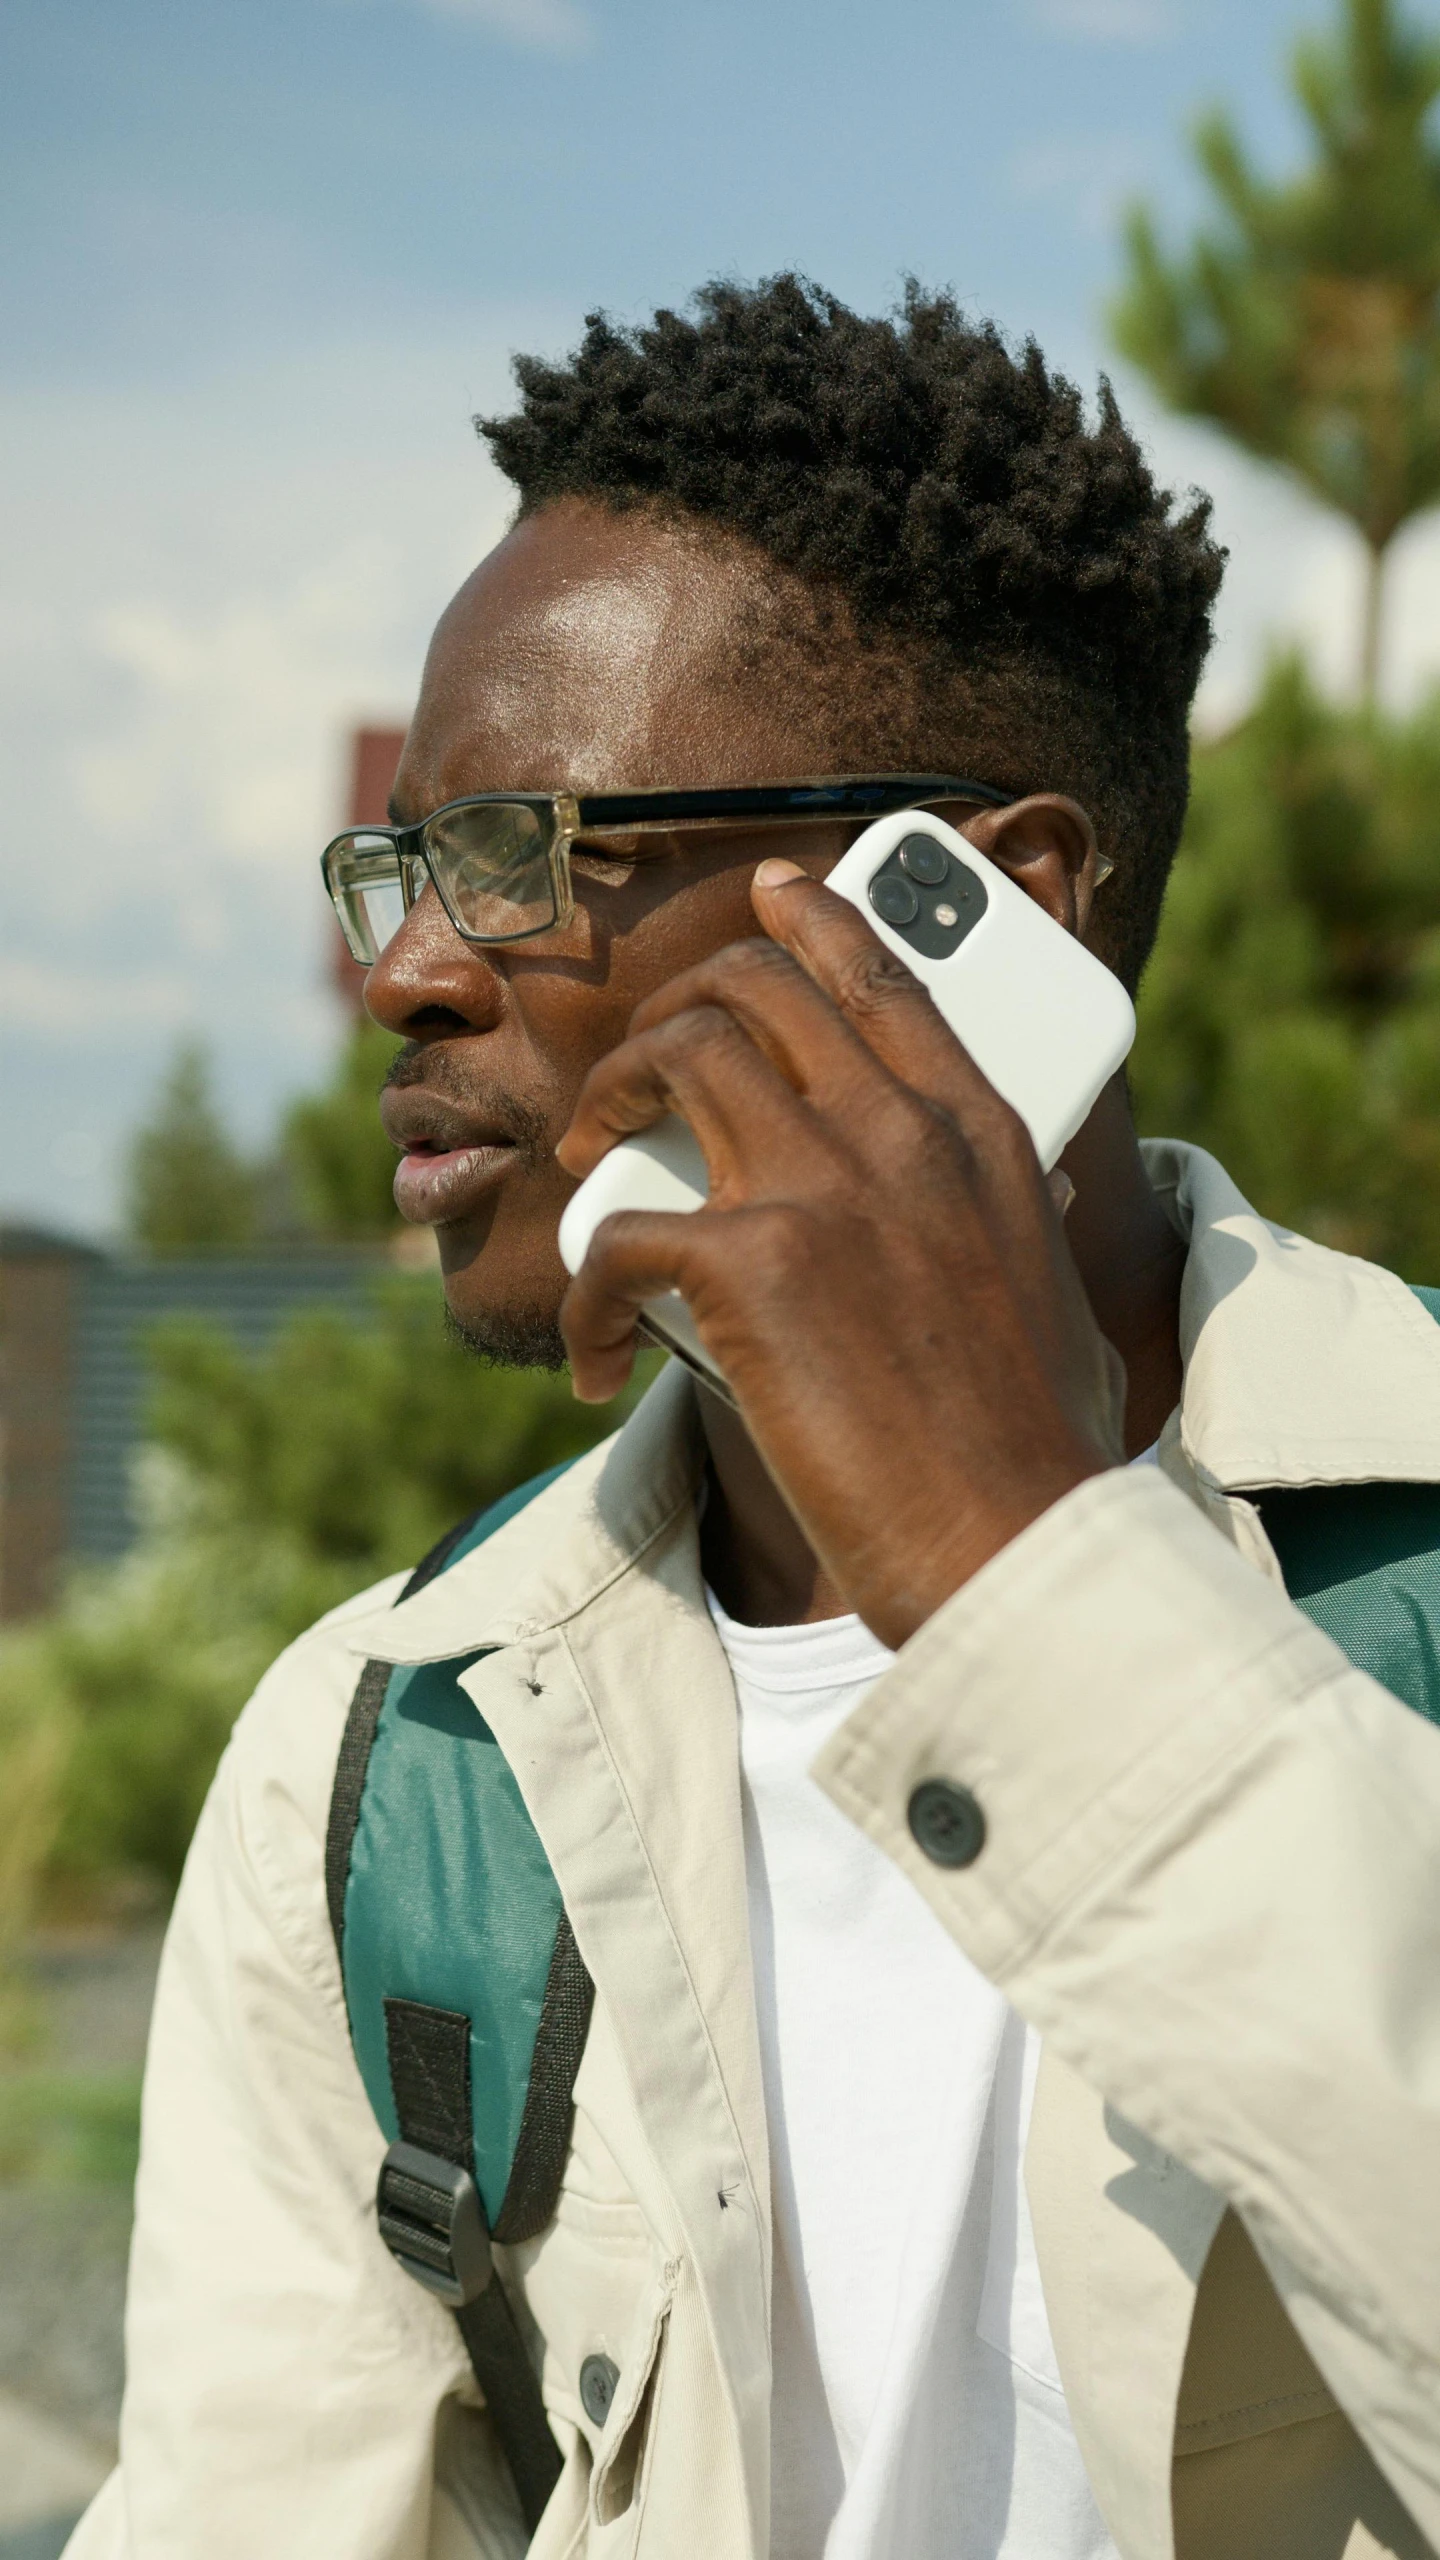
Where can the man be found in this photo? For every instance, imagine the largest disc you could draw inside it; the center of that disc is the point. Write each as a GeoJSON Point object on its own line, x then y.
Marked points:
{"type": "Point", "coordinates": [1114, 1788]}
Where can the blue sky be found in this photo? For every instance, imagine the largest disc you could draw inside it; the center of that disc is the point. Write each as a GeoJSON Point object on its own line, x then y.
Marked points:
{"type": "Point", "coordinates": [265, 262]}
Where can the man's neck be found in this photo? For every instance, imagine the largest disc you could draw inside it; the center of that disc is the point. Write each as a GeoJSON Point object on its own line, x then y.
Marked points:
{"type": "Point", "coordinates": [756, 1558]}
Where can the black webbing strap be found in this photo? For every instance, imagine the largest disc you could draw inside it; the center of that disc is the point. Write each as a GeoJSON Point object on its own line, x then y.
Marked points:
{"type": "Point", "coordinates": [544, 2137]}
{"type": "Point", "coordinates": [358, 1741]}
{"type": "Point", "coordinates": [429, 2051]}
{"type": "Point", "coordinates": [512, 2395]}
{"type": "Point", "coordinates": [356, 1744]}
{"type": "Point", "coordinates": [429, 2054]}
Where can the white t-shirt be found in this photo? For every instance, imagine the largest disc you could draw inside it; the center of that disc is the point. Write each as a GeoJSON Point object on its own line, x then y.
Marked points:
{"type": "Point", "coordinates": [918, 2413]}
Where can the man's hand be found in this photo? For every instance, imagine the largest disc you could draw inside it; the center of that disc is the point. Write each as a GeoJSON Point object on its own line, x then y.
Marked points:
{"type": "Point", "coordinates": [880, 1271]}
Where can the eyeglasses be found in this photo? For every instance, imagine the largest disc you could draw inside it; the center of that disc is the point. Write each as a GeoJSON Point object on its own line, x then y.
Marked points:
{"type": "Point", "coordinates": [499, 861]}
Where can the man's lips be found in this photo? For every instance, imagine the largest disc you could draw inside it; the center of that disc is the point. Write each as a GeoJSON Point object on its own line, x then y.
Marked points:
{"type": "Point", "coordinates": [450, 1157]}
{"type": "Point", "coordinates": [434, 1186]}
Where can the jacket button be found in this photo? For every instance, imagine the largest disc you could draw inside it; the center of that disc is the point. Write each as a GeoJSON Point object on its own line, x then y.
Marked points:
{"type": "Point", "coordinates": [946, 1821]}
{"type": "Point", "coordinates": [599, 2382]}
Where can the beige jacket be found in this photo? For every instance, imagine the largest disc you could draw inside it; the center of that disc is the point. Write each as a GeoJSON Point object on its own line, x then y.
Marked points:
{"type": "Point", "coordinates": [1210, 1879]}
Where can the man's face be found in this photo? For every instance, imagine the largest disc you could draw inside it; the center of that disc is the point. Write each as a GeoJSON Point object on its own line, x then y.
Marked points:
{"type": "Point", "coordinates": [589, 652]}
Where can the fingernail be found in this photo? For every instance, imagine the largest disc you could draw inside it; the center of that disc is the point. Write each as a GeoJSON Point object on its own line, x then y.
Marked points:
{"type": "Point", "coordinates": [775, 870]}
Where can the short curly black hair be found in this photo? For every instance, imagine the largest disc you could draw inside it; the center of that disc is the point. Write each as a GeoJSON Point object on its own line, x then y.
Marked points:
{"type": "Point", "coordinates": [1041, 609]}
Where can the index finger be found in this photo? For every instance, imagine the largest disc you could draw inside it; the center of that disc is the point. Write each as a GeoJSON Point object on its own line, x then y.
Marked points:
{"type": "Point", "coordinates": [871, 988]}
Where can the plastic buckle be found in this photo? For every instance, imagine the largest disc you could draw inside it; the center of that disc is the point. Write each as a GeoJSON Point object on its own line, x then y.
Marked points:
{"type": "Point", "coordinates": [433, 2224]}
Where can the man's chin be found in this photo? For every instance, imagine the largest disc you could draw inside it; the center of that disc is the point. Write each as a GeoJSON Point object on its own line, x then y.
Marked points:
{"type": "Point", "coordinates": [509, 1337]}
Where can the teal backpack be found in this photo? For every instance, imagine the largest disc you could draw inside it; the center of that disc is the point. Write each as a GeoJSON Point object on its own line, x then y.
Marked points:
{"type": "Point", "coordinates": [468, 1999]}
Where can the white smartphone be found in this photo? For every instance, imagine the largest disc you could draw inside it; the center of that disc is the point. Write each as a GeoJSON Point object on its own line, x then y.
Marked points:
{"type": "Point", "coordinates": [1042, 1018]}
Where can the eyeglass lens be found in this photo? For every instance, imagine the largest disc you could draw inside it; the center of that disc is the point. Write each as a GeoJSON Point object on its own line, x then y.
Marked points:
{"type": "Point", "coordinates": [364, 877]}
{"type": "Point", "coordinates": [490, 867]}
{"type": "Point", "coordinates": [489, 864]}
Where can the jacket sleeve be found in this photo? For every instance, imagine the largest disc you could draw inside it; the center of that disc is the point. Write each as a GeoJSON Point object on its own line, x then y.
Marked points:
{"type": "Point", "coordinates": [1209, 1877]}
{"type": "Point", "coordinates": [284, 2378]}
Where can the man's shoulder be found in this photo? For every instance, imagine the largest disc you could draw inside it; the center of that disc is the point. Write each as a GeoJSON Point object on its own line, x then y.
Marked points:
{"type": "Point", "coordinates": [361, 1604]}
{"type": "Point", "coordinates": [319, 1660]}
{"type": "Point", "coordinates": [270, 1810]}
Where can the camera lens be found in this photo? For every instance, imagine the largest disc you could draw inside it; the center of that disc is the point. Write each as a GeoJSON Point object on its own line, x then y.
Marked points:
{"type": "Point", "coordinates": [925, 860]}
{"type": "Point", "coordinates": [892, 897]}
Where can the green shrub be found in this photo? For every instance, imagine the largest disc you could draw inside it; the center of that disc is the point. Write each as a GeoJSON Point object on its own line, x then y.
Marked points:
{"type": "Point", "coordinates": [37, 1729]}
{"type": "Point", "coordinates": [363, 1442]}
{"type": "Point", "coordinates": [62, 2129]}
{"type": "Point", "coordinates": [278, 1486]}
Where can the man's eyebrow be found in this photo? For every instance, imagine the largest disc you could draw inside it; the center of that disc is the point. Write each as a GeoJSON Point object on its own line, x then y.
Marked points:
{"type": "Point", "coordinates": [394, 812]}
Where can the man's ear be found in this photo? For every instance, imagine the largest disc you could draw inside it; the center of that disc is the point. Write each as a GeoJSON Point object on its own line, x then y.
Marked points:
{"type": "Point", "coordinates": [1047, 845]}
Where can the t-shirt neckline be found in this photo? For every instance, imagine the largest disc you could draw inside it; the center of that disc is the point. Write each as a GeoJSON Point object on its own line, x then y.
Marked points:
{"type": "Point", "coordinates": [830, 1653]}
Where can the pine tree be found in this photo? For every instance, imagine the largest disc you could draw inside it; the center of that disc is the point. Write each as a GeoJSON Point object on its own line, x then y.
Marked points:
{"type": "Point", "coordinates": [1290, 1019]}
{"type": "Point", "coordinates": [1306, 321]}
{"type": "Point", "coordinates": [188, 1185]}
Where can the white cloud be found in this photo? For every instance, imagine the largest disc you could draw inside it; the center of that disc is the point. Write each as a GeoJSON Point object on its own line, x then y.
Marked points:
{"type": "Point", "coordinates": [1108, 21]}
{"type": "Point", "coordinates": [1295, 575]}
{"type": "Point", "coordinates": [539, 26]}
{"type": "Point", "coordinates": [201, 603]}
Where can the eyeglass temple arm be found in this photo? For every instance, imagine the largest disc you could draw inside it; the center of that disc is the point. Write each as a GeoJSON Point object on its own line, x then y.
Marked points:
{"type": "Point", "coordinates": [756, 803]}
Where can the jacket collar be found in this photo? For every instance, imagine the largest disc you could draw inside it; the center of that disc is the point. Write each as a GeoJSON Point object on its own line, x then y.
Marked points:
{"type": "Point", "coordinates": [1302, 1366]}
{"type": "Point", "coordinates": [596, 1522]}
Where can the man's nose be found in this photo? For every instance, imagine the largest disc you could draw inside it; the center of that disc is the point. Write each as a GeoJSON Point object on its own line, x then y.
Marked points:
{"type": "Point", "coordinates": [428, 973]}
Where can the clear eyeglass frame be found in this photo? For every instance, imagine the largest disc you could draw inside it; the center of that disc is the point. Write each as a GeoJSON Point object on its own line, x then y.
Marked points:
{"type": "Point", "coordinates": [499, 862]}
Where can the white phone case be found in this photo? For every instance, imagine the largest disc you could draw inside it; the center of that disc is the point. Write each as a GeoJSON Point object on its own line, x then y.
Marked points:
{"type": "Point", "coordinates": [1042, 1018]}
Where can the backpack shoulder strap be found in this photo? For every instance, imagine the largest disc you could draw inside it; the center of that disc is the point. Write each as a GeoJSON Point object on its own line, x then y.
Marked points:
{"type": "Point", "coordinates": [1363, 1560]}
{"type": "Point", "coordinates": [358, 1739]}
{"type": "Point", "coordinates": [468, 2000]}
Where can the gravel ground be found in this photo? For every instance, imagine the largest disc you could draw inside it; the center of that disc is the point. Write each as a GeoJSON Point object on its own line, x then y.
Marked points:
{"type": "Point", "coordinates": [62, 2294]}
{"type": "Point", "coordinates": [63, 2248]}
{"type": "Point", "coordinates": [48, 2476]}
{"type": "Point", "coordinates": [96, 1994]}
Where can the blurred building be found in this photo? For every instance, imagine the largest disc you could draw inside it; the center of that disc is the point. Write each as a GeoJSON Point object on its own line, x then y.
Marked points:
{"type": "Point", "coordinates": [75, 1329]}
{"type": "Point", "coordinates": [42, 1279]}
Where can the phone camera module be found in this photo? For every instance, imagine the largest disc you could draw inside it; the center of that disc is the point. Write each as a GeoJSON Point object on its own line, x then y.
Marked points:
{"type": "Point", "coordinates": [928, 896]}
{"type": "Point", "coordinates": [892, 897]}
{"type": "Point", "coordinates": [925, 861]}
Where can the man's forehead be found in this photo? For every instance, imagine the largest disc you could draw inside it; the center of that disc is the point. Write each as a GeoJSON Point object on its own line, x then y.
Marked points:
{"type": "Point", "coordinates": [588, 650]}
